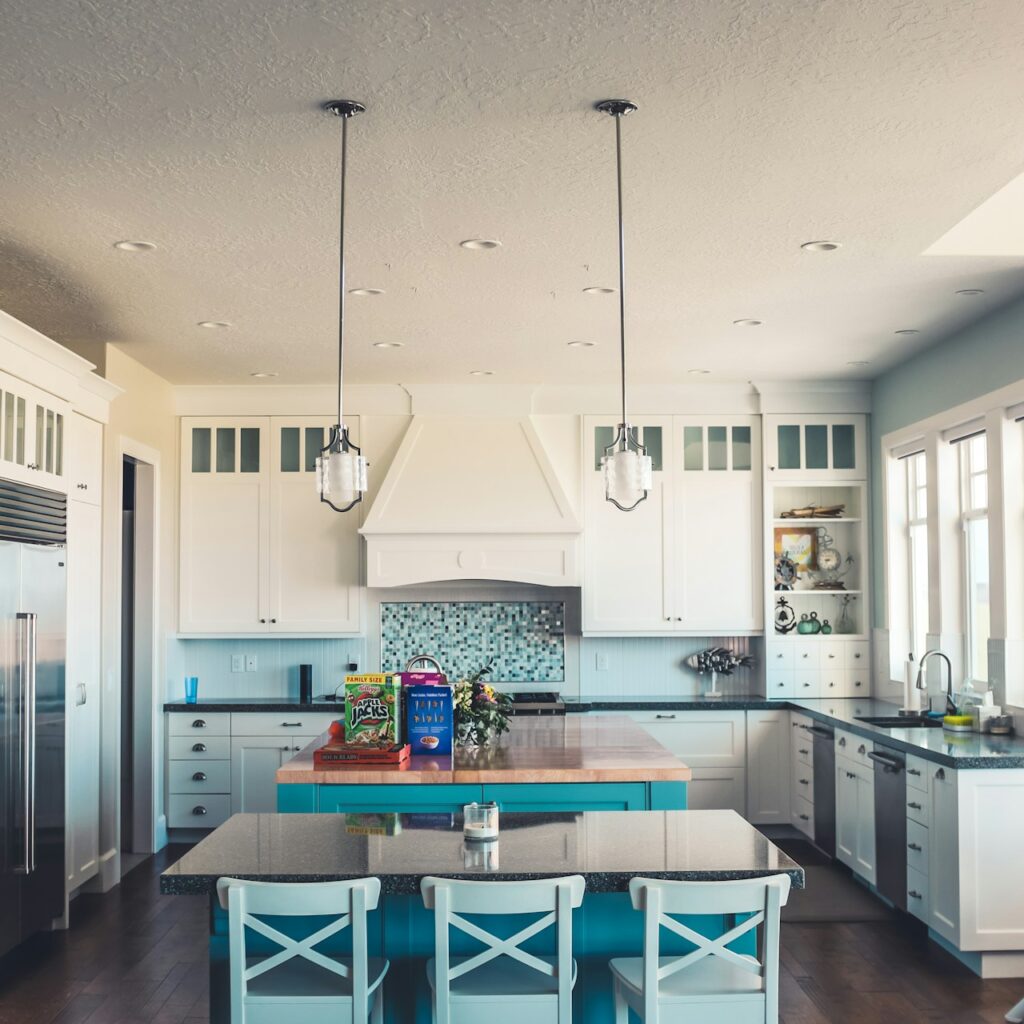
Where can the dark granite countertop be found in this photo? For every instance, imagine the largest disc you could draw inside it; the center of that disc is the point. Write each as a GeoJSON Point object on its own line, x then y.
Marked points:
{"type": "Point", "coordinates": [642, 702]}
{"type": "Point", "coordinates": [607, 847]}
{"type": "Point", "coordinates": [240, 704]}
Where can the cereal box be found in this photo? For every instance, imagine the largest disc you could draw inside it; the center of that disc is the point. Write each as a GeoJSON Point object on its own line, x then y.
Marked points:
{"type": "Point", "coordinates": [372, 710]}
{"type": "Point", "coordinates": [429, 719]}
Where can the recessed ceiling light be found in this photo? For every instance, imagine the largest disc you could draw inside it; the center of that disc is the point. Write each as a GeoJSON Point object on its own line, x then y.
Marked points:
{"type": "Point", "coordinates": [908, 330]}
{"type": "Point", "coordinates": [481, 373]}
{"type": "Point", "coordinates": [388, 344]}
{"type": "Point", "coordinates": [581, 344]}
{"type": "Point", "coordinates": [480, 243]}
{"type": "Point", "coordinates": [594, 290]}
{"type": "Point", "coordinates": [262, 373]}
{"type": "Point", "coordinates": [130, 246]}
{"type": "Point", "coordinates": [747, 322]}
{"type": "Point", "coordinates": [859, 362]}
{"type": "Point", "coordinates": [366, 291]}
{"type": "Point", "coordinates": [699, 372]}
{"type": "Point", "coordinates": [970, 291]}
{"type": "Point", "coordinates": [213, 325]}
{"type": "Point", "coordinates": [820, 246]}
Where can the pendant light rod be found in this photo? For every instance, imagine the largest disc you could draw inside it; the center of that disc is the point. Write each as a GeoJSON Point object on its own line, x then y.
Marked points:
{"type": "Point", "coordinates": [619, 109]}
{"type": "Point", "coordinates": [346, 110]}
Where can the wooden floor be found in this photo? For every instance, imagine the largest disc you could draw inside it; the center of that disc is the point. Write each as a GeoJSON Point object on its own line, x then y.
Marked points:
{"type": "Point", "coordinates": [133, 956]}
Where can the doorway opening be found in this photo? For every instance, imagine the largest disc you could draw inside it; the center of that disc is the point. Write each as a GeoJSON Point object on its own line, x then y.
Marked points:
{"type": "Point", "coordinates": [137, 649]}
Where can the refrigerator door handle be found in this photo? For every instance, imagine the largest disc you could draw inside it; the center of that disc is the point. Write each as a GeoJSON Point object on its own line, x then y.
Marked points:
{"type": "Point", "coordinates": [27, 621]}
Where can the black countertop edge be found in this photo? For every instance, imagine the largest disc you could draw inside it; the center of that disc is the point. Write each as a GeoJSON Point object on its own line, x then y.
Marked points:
{"type": "Point", "coordinates": [735, 703]}
{"type": "Point", "coordinates": [243, 704]}
{"type": "Point", "coordinates": [409, 885]}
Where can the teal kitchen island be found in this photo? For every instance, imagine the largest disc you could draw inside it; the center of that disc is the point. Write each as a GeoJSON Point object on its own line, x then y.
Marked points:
{"type": "Point", "coordinates": [555, 764]}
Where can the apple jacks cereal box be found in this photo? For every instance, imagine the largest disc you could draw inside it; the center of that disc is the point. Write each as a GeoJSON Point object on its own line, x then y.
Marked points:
{"type": "Point", "coordinates": [372, 710]}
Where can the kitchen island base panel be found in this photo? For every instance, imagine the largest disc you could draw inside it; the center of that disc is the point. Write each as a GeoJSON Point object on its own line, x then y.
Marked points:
{"type": "Point", "coordinates": [446, 798]}
{"type": "Point", "coordinates": [402, 930]}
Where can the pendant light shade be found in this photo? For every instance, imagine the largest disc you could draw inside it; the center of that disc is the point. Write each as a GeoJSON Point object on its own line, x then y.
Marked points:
{"type": "Point", "coordinates": [627, 468]}
{"type": "Point", "coordinates": [341, 469]}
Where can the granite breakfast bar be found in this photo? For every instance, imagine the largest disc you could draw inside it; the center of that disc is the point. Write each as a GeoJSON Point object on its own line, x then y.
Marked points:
{"type": "Point", "coordinates": [606, 848]}
{"type": "Point", "coordinates": [559, 764]}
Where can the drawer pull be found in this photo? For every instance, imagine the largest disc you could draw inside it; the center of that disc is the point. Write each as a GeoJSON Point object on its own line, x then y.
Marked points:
{"type": "Point", "coordinates": [940, 774]}
{"type": "Point", "coordinates": [913, 771]}
{"type": "Point", "coordinates": [803, 750]}
{"type": "Point", "coordinates": [842, 741]}
{"type": "Point", "coordinates": [298, 725]}
{"type": "Point", "coordinates": [915, 806]}
{"type": "Point", "coordinates": [780, 655]}
{"type": "Point", "coordinates": [856, 684]}
{"type": "Point", "coordinates": [664, 716]}
{"type": "Point", "coordinates": [199, 777]}
{"type": "Point", "coordinates": [199, 810]}
{"type": "Point", "coordinates": [851, 775]}
{"type": "Point", "coordinates": [857, 656]}
{"type": "Point", "coordinates": [862, 749]}
{"type": "Point", "coordinates": [199, 723]}
{"type": "Point", "coordinates": [804, 817]}
{"type": "Point", "coordinates": [914, 894]}
{"type": "Point", "coordinates": [915, 847]}
{"type": "Point", "coordinates": [286, 747]}
{"type": "Point", "coordinates": [198, 748]}
{"type": "Point", "coordinates": [805, 782]}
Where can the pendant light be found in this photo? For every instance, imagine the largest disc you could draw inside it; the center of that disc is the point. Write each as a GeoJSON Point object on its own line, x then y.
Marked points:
{"type": "Point", "coordinates": [341, 468]}
{"type": "Point", "coordinates": [628, 475]}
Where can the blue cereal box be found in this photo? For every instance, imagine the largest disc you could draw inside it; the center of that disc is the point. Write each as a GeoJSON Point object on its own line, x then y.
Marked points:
{"type": "Point", "coordinates": [429, 719]}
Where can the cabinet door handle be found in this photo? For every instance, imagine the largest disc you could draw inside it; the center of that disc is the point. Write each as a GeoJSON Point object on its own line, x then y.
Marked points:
{"type": "Point", "coordinates": [296, 748]}
{"type": "Point", "coordinates": [804, 817]}
{"type": "Point", "coordinates": [286, 748]}
{"type": "Point", "coordinates": [199, 777]}
{"type": "Point", "coordinates": [804, 782]}
{"type": "Point", "coordinates": [862, 749]}
{"type": "Point", "coordinates": [914, 806]}
{"type": "Point", "coordinates": [199, 809]}
{"type": "Point", "coordinates": [913, 771]}
{"type": "Point", "coordinates": [199, 723]}
{"type": "Point", "coordinates": [914, 846]}
{"type": "Point", "coordinates": [273, 620]}
{"type": "Point", "coordinates": [842, 741]}
{"type": "Point", "coordinates": [664, 716]}
{"type": "Point", "coordinates": [856, 656]}
{"type": "Point", "coordinates": [198, 748]}
{"type": "Point", "coordinates": [263, 621]}
{"type": "Point", "coordinates": [913, 894]}
{"type": "Point", "coordinates": [780, 655]}
{"type": "Point", "coordinates": [802, 750]}
{"type": "Point", "coordinates": [856, 684]}
{"type": "Point", "coordinates": [298, 725]}
{"type": "Point", "coordinates": [851, 775]}
{"type": "Point", "coordinates": [941, 774]}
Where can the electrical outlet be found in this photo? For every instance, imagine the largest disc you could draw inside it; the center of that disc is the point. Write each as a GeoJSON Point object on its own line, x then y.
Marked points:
{"type": "Point", "coordinates": [250, 663]}
{"type": "Point", "coordinates": [237, 662]}
{"type": "Point", "coordinates": [602, 661]}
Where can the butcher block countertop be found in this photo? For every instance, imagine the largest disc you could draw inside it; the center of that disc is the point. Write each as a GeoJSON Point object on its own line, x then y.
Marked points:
{"type": "Point", "coordinates": [569, 748]}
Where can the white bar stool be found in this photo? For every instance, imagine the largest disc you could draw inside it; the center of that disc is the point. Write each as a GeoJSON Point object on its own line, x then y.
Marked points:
{"type": "Point", "coordinates": [711, 984]}
{"type": "Point", "coordinates": [503, 984]}
{"type": "Point", "coordinates": [299, 985]}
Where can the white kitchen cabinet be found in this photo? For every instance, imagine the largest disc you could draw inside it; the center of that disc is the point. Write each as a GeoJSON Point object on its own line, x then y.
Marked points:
{"type": "Point", "coordinates": [719, 788]}
{"type": "Point", "coordinates": [254, 764]}
{"type": "Point", "coordinates": [85, 459]}
{"type": "Point", "coordinates": [815, 447]}
{"type": "Point", "coordinates": [83, 691]}
{"type": "Point", "coordinates": [855, 817]}
{"type": "Point", "coordinates": [687, 559]}
{"type": "Point", "coordinates": [768, 767]}
{"type": "Point", "coordinates": [260, 553]}
{"type": "Point", "coordinates": [943, 854]}
{"type": "Point", "coordinates": [33, 425]}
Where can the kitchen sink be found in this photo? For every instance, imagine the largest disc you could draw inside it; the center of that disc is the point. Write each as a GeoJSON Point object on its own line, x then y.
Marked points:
{"type": "Point", "coordinates": [901, 722]}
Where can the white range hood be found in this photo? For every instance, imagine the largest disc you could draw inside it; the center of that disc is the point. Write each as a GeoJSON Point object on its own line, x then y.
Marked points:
{"type": "Point", "coordinates": [471, 498]}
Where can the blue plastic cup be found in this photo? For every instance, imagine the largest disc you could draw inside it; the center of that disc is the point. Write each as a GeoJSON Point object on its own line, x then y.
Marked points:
{"type": "Point", "coordinates": [191, 689]}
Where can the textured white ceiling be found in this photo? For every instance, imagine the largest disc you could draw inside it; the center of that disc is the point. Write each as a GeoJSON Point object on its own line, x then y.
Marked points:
{"type": "Point", "coordinates": [195, 124]}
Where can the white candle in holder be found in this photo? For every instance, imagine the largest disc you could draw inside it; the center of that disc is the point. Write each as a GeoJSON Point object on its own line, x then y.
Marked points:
{"type": "Point", "coordinates": [480, 821]}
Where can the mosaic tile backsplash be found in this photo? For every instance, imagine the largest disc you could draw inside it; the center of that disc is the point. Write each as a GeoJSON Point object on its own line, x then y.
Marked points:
{"type": "Point", "coordinates": [523, 640]}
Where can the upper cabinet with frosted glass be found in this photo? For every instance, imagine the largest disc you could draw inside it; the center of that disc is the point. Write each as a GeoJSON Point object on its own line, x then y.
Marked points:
{"type": "Point", "coordinates": [805, 447]}
{"type": "Point", "coordinates": [260, 553]}
{"type": "Point", "coordinates": [32, 432]}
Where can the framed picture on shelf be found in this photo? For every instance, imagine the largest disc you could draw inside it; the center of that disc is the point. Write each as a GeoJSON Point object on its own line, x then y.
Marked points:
{"type": "Point", "coordinates": [799, 544]}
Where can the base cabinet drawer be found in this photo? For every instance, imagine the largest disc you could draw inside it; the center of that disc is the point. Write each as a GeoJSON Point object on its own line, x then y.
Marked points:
{"type": "Point", "coordinates": [917, 847]}
{"type": "Point", "coordinates": [282, 723]}
{"type": "Point", "coordinates": [208, 777]}
{"type": "Point", "coordinates": [202, 810]}
{"type": "Point", "coordinates": [917, 894]}
{"type": "Point", "coordinates": [198, 723]}
{"type": "Point", "coordinates": [717, 789]}
{"type": "Point", "coordinates": [803, 816]}
{"type": "Point", "coordinates": [199, 748]}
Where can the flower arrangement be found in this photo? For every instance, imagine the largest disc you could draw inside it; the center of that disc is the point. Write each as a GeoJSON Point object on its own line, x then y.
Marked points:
{"type": "Point", "coordinates": [481, 712]}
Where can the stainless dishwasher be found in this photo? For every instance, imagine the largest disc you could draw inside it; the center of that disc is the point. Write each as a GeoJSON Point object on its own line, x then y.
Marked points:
{"type": "Point", "coordinates": [824, 788]}
{"type": "Point", "coordinates": [891, 824]}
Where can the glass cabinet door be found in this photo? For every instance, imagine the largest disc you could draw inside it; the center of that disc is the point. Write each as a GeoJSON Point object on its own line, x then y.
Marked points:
{"type": "Point", "coordinates": [32, 426]}
{"type": "Point", "coordinates": [816, 446]}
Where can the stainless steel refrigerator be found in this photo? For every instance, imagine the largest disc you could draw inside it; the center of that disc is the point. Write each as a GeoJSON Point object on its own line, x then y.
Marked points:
{"type": "Point", "coordinates": [33, 614]}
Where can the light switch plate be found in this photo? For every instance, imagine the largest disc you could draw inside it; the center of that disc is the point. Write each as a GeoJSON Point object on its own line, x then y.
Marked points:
{"type": "Point", "coordinates": [237, 662]}
{"type": "Point", "coordinates": [250, 663]}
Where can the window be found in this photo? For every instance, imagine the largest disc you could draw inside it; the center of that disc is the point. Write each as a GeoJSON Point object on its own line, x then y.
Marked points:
{"type": "Point", "coordinates": [916, 469]}
{"type": "Point", "coordinates": [973, 456]}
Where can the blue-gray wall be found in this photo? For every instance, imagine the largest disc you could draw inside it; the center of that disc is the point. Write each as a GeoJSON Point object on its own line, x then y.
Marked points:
{"type": "Point", "coordinates": [982, 358]}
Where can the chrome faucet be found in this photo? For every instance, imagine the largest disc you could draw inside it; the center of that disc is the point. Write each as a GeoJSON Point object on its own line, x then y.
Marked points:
{"type": "Point", "coordinates": [921, 685]}
{"type": "Point", "coordinates": [423, 661]}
